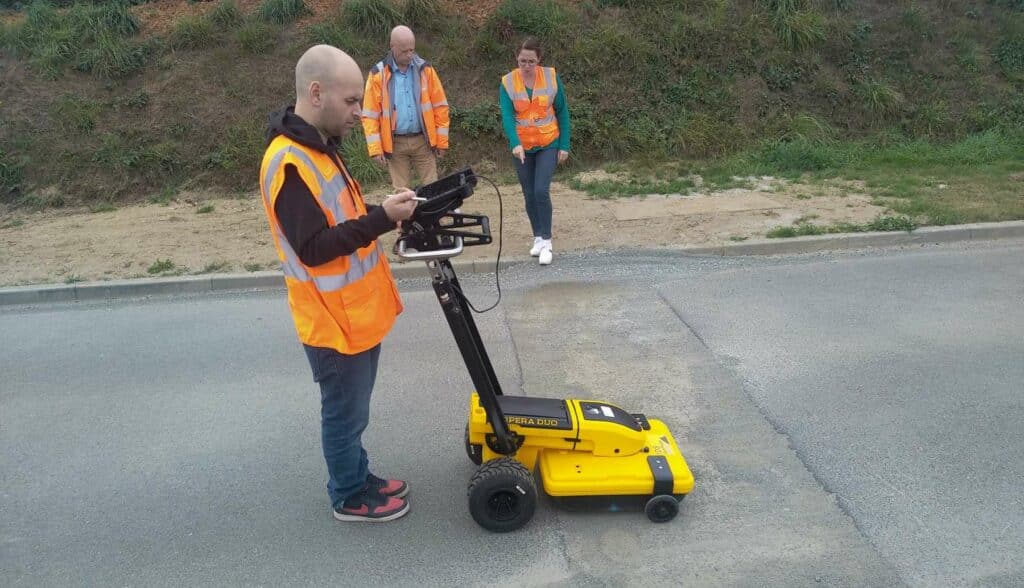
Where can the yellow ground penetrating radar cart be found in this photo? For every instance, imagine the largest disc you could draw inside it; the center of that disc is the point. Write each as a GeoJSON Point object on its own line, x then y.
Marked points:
{"type": "Point", "coordinates": [583, 449]}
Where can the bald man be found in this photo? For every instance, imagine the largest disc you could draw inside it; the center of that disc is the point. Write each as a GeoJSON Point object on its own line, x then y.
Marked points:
{"type": "Point", "coordinates": [405, 113]}
{"type": "Point", "coordinates": [341, 293]}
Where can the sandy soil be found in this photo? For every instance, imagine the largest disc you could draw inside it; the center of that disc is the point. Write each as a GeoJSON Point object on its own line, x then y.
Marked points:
{"type": "Point", "coordinates": [61, 245]}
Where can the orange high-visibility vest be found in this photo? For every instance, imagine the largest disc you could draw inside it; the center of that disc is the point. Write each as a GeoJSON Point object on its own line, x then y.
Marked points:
{"type": "Point", "coordinates": [380, 118]}
{"type": "Point", "coordinates": [348, 304]}
{"type": "Point", "coordinates": [536, 123]}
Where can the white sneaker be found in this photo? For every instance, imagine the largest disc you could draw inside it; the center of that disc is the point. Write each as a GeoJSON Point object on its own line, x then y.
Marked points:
{"type": "Point", "coordinates": [537, 246]}
{"type": "Point", "coordinates": [545, 254]}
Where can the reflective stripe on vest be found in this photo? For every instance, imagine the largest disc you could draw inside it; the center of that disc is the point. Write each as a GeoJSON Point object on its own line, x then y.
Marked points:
{"type": "Point", "coordinates": [330, 190]}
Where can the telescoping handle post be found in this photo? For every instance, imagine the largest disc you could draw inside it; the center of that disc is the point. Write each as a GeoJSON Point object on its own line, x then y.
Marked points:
{"type": "Point", "coordinates": [471, 346]}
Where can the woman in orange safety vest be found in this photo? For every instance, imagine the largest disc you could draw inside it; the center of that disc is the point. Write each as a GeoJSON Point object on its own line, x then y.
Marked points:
{"type": "Point", "coordinates": [535, 117]}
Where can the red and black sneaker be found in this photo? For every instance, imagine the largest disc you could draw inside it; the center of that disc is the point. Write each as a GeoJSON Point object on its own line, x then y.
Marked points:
{"type": "Point", "coordinates": [372, 507]}
{"type": "Point", "coordinates": [396, 488]}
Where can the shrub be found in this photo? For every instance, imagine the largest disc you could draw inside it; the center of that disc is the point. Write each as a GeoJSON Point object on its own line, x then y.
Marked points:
{"type": "Point", "coordinates": [1009, 54]}
{"type": "Point", "coordinates": [482, 119]}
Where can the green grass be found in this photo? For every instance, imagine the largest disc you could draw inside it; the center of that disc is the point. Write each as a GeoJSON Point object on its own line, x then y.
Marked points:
{"type": "Point", "coordinates": [879, 98]}
{"type": "Point", "coordinates": [215, 266]}
{"type": "Point", "coordinates": [205, 209]}
{"type": "Point", "coordinates": [882, 223]}
{"type": "Point", "coordinates": [801, 30]}
{"type": "Point", "coordinates": [281, 11]}
{"type": "Point", "coordinates": [193, 32]}
{"type": "Point", "coordinates": [88, 37]}
{"type": "Point", "coordinates": [137, 100]}
{"type": "Point", "coordinates": [12, 172]}
{"type": "Point", "coordinates": [161, 266]}
{"type": "Point", "coordinates": [372, 18]}
{"type": "Point", "coordinates": [257, 37]}
{"type": "Point", "coordinates": [543, 19]}
{"type": "Point", "coordinates": [935, 183]}
{"type": "Point", "coordinates": [13, 224]}
{"type": "Point", "coordinates": [113, 57]}
{"type": "Point", "coordinates": [38, 201]}
{"type": "Point", "coordinates": [791, 87]}
{"type": "Point", "coordinates": [103, 207]}
{"type": "Point", "coordinates": [336, 31]}
{"type": "Point", "coordinates": [252, 267]}
{"type": "Point", "coordinates": [226, 15]}
{"type": "Point", "coordinates": [422, 14]}
{"type": "Point", "coordinates": [634, 186]}
{"type": "Point", "coordinates": [356, 157]}
{"type": "Point", "coordinates": [116, 152]}
{"type": "Point", "coordinates": [75, 113]}
{"type": "Point", "coordinates": [240, 149]}
{"type": "Point", "coordinates": [165, 196]}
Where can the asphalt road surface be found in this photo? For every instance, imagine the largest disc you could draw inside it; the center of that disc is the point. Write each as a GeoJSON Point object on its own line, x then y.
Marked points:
{"type": "Point", "coordinates": [851, 419]}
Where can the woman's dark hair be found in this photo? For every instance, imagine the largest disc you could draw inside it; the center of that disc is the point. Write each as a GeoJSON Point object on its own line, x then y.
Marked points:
{"type": "Point", "coordinates": [531, 44]}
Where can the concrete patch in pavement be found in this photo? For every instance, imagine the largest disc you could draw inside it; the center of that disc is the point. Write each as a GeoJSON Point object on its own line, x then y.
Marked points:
{"type": "Point", "coordinates": [756, 516]}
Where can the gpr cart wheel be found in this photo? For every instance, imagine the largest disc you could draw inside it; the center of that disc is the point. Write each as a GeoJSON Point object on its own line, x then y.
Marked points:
{"type": "Point", "coordinates": [662, 508]}
{"type": "Point", "coordinates": [502, 495]}
{"type": "Point", "coordinates": [473, 451]}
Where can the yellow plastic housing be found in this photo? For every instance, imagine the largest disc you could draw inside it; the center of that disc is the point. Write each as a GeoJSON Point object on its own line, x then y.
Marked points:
{"type": "Point", "coordinates": [594, 458]}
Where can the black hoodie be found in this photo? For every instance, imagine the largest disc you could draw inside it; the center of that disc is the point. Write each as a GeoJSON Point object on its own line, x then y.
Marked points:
{"type": "Point", "coordinates": [302, 221]}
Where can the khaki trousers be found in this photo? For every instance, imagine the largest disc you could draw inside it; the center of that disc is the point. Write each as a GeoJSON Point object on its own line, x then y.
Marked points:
{"type": "Point", "coordinates": [410, 152]}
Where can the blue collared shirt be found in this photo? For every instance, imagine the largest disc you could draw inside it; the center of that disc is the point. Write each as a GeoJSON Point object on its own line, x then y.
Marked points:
{"type": "Point", "coordinates": [407, 112]}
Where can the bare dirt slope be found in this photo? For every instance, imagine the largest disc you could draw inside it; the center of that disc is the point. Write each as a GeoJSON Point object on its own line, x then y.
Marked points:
{"type": "Point", "coordinates": [61, 245]}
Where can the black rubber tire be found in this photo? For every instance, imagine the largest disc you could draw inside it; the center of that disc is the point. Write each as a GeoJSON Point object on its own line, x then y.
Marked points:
{"type": "Point", "coordinates": [474, 452]}
{"type": "Point", "coordinates": [502, 495]}
{"type": "Point", "coordinates": [662, 508]}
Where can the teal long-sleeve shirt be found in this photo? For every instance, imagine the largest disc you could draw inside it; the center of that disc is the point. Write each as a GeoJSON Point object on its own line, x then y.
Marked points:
{"type": "Point", "coordinates": [508, 119]}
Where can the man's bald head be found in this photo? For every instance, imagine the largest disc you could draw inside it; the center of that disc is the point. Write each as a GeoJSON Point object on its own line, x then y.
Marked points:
{"type": "Point", "coordinates": [324, 64]}
{"type": "Point", "coordinates": [403, 45]}
{"type": "Point", "coordinates": [402, 33]}
{"type": "Point", "coordinates": [328, 89]}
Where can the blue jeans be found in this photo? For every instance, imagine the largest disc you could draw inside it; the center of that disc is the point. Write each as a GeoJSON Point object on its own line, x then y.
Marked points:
{"type": "Point", "coordinates": [346, 383]}
{"type": "Point", "coordinates": [535, 179]}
